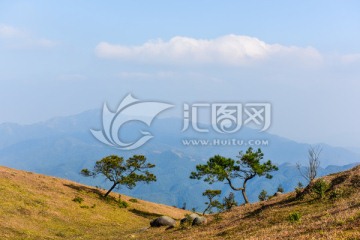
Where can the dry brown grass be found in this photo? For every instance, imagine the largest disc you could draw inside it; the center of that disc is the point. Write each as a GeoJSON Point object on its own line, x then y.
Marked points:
{"type": "Point", "coordinates": [34, 206]}
{"type": "Point", "coordinates": [337, 218]}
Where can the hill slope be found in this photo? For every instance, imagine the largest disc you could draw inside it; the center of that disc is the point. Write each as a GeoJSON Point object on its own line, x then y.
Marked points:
{"type": "Point", "coordinates": [34, 206]}
{"type": "Point", "coordinates": [337, 216]}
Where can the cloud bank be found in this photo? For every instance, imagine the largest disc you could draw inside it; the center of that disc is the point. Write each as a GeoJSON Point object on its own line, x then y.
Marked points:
{"type": "Point", "coordinates": [226, 50]}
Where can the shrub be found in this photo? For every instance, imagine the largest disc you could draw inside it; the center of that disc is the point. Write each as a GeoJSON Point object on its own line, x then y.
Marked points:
{"type": "Point", "coordinates": [229, 201]}
{"type": "Point", "coordinates": [133, 200]}
{"type": "Point", "coordinates": [336, 194]}
{"type": "Point", "coordinates": [217, 217]}
{"type": "Point", "coordinates": [319, 188]}
{"type": "Point", "coordinates": [263, 195]}
{"type": "Point", "coordinates": [298, 189]}
{"type": "Point", "coordinates": [294, 217]}
{"type": "Point", "coordinates": [280, 188]}
{"type": "Point", "coordinates": [122, 204]}
{"type": "Point", "coordinates": [78, 199]}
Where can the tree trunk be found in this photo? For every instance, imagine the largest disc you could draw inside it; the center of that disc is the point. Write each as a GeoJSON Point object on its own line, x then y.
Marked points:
{"type": "Point", "coordinates": [245, 197]}
{"type": "Point", "coordinates": [243, 191]}
{"type": "Point", "coordinates": [113, 186]}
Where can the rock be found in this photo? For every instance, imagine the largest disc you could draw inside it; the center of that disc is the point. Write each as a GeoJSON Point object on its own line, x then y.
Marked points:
{"type": "Point", "coordinates": [199, 221]}
{"type": "Point", "coordinates": [163, 221]}
{"type": "Point", "coordinates": [190, 218]}
{"type": "Point", "coordinates": [278, 194]}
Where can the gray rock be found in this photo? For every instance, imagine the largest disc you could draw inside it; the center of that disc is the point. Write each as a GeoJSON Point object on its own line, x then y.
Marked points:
{"type": "Point", "coordinates": [278, 194]}
{"type": "Point", "coordinates": [190, 218]}
{"type": "Point", "coordinates": [199, 221]}
{"type": "Point", "coordinates": [163, 221]}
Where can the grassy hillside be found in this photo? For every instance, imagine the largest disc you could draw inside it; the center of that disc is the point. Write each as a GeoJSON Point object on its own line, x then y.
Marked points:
{"type": "Point", "coordinates": [34, 206]}
{"type": "Point", "coordinates": [336, 216]}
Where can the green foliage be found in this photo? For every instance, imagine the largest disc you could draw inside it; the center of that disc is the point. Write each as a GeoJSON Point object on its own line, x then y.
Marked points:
{"type": "Point", "coordinates": [211, 194]}
{"type": "Point", "coordinates": [229, 201]}
{"type": "Point", "coordinates": [280, 188]}
{"type": "Point", "coordinates": [263, 195]}
{"type": "Point", "coordinates": [319, 188]}
{"type": "Point", "coordinates": [248, 165]}
{"type": "Point", "coordinates": [121, 172]}
{"type": "Point", "coordinates": [78, 199]}
{"type": "Point", "coordinates": [336, 194]}
{"type": "Point", "coordinates": [134, 200]}
{"type": "Point", "coordinates": [294, 217]}
{"type": "Point", "coordinates": [122, 204]}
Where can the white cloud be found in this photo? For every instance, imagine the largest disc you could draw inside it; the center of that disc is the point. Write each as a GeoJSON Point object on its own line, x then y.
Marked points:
{"type": "Point", "coordinates": [8, 31]}
{"type": "Point", "coordinates": [18, 39]}
{"type": "Point", "coordinates": [227, 50]}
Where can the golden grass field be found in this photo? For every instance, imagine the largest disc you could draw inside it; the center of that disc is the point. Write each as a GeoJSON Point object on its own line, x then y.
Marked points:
{"type": "Point", "coordinates": [34, 206]}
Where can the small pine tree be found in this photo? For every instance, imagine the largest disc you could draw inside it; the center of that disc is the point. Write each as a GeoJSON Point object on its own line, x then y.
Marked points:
{"type": "Point", "coordinates": [211, 194]}
{"type": "Point", "coordinates": [229, 201]}
{"type": "Point", "coordinates": [263, 195]}
{"type": "Point", "coordinates": [319, 188]}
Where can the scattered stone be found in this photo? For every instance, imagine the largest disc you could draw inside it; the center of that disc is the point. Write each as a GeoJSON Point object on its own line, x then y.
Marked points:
{"type": "Point", "coordinates": [190, 218]}
{"type": "Point", "coordinates": [163, 221]}
{"type": "Point", "coordinates": [199, 221]}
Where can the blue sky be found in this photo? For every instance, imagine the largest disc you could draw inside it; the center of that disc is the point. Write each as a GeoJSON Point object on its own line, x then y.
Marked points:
{"type": "Point", "coordinates": [65, 57]}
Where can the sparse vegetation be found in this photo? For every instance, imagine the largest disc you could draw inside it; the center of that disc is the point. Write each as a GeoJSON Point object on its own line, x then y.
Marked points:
{"type": "Point", "coordinates": [294, 217]}
{"type": "Point", "coordinates": [78, 199]}
{"type": "Point", "coordinates": [134, 200]}
{"type": "Point", "coordinates": [123, 204]}
{"type": "Point", "coordinates": [280, 188]}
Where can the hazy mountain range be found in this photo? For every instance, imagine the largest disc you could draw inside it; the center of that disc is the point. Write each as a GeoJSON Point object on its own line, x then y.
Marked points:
{"type": "Point", "coordinates": [63, 146]}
